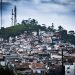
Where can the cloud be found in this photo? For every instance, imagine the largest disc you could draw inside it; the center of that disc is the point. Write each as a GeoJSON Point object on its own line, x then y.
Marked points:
{"type": "Point", "coordinates": [52, 9]}
{"type": "Point", "coordinates": [5, 1]}
{"type": "Point", "coordinates": [46, 6]}
{"type": "Point", "coordinates": [62, 6]}
{"type": "Point", "coordinates": [61, 12]}
{"type": "Point", "coordinates": [71, 6]}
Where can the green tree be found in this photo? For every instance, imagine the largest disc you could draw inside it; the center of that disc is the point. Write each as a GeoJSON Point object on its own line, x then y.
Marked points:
{"type": "Point", "coordinates": [71, 32]}
{"type": "Point", "coordinates": [60, 28]}
{"type": "Point", "coordinates": [34, 22]}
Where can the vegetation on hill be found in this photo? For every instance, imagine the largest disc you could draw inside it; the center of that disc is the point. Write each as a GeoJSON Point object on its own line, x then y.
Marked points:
{"type": "Point", "coordinates": [33, 25]}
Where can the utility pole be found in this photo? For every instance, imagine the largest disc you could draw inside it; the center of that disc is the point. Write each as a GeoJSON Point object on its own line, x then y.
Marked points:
{"type": "Point", "coordinates": [1, 13]}
{"type": "Point", "coordinates": [62, 63]}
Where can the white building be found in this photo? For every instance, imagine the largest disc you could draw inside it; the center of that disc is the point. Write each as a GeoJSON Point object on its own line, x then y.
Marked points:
{"type": "Point", "coordinates": [69, 69]}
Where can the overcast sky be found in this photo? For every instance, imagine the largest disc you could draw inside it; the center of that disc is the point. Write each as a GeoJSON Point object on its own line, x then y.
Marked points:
{"type": "Point", "coordinates": [59, 12]}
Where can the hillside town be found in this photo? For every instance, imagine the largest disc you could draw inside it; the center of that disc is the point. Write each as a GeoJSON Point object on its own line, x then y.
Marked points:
{"type": "Point", "coordinates": [34, 47]}
{"type": "Point", "coordinates": [43, 54]}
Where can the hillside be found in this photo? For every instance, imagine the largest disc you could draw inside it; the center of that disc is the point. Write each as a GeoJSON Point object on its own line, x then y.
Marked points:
{"type": "Point", "coordinates": [29, 27]}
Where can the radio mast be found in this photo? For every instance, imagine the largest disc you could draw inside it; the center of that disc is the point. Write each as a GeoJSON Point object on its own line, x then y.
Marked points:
{"type": "Point", "coordinates": [15, 19]}
{"type": "Point", "coordinates": [12, 17]}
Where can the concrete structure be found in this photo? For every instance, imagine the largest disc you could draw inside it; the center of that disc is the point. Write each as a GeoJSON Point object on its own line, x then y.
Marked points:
{"type": "Point", "coordinates": [69, 69]}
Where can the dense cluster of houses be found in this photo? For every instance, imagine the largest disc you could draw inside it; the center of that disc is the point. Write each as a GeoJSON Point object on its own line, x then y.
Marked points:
{"type": "Point", "coordinates": [37, 55]}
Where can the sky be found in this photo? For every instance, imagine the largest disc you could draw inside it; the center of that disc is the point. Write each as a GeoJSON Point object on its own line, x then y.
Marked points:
{"type": "Point", "coordinates": [59, 12]}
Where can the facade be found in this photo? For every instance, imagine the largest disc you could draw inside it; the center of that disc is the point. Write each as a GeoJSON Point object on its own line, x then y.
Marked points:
{"type": "Point", "coordinates": [69, 69]}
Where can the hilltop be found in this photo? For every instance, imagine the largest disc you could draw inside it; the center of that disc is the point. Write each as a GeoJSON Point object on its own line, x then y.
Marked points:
{"type": "Point", "coordinates": [32, 25]}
